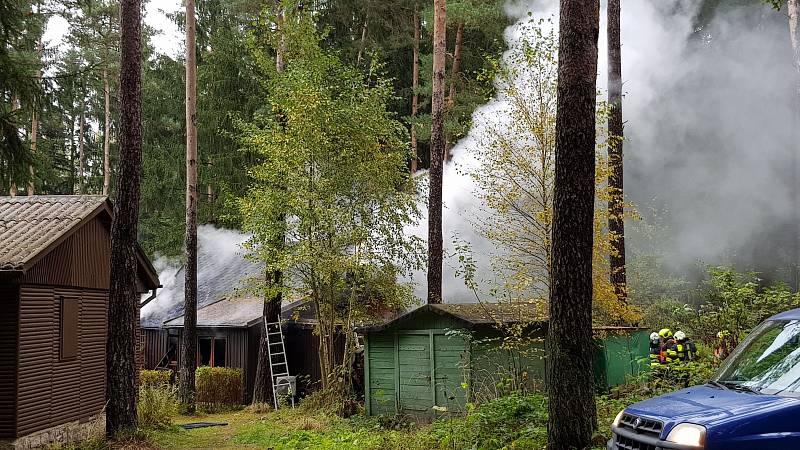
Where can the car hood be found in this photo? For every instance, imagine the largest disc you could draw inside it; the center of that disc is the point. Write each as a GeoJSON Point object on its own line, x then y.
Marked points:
{"type": "Point", "coordinates": [706, 405]}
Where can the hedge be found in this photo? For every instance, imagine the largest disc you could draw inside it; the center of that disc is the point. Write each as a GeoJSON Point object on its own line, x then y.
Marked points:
{"type": "Point", "coordinates": [219, 388]}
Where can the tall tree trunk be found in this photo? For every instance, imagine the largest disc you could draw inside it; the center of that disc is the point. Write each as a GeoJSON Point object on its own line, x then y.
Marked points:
{"type": "Point", "coordinates": [106, 137]}
{"type": "Point", "coordinates": [12, 191]}
{"type": "Point", "coordinates": [570, 378]}
{"type": "Point", "coordinates": [81, 153]}
{"type": "Point", "coordinates": [451, 97]}
{"type": "Point", "coordinates": [363, 44]}
{"type": "Point", "coordinates": [436, 153]}
{"type": "Point", "coordinates": [793, 7]}
{"type": "Point", "coordinates": [262, 391]}
{"type": "Point", "coordinates": [123, 299]}
{"type": "Point", "coordinates": [34, 119]}
{"type": "Point", "coordinates": [616, 137]}
{"type": "Point", "coordinates": [415, 91]}
{"type": "Point", "coordinates": [186, 384]}
{"type": "Point", "coordinates": [34, 138]}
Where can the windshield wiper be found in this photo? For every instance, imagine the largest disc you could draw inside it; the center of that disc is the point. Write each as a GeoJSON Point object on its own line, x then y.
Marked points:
{"type": "Point", "coordinates": [740, 387]}
{"type": "Point", "coordinates": [718, 385]}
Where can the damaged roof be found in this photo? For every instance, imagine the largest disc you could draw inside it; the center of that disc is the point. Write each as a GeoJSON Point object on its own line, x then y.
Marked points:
{"type": "Point", "coordinates": [473, 314]}
{"type": "Point", "coordinates": [32, 226]}
{"type": "Point", "coordinates": [242, 312]}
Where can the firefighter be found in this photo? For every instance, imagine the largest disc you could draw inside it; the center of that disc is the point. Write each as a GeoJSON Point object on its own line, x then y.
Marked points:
{"type": "Point", "coordinates": [655, 350]}
{"type": "Point", "coordinates": [724, 344]}
{"type": "Point", "coordinates": [667, 341]}
{"type": "Point", "coordinates": [683, 349]}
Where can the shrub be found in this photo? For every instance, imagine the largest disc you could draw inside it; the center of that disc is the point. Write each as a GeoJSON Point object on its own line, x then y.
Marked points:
{"type": "Point", "coordinates": [155, 377]}
{"type": "Point", "coordinates": [158, 404]}
{"type": "Point", "coordinates": [219, 388]}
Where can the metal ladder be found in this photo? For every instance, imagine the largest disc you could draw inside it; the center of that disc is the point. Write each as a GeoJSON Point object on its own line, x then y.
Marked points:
{"type": "Point", "coordinates": [278, 365]}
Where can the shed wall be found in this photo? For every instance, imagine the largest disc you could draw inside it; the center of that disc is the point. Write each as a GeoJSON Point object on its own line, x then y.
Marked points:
{"type": "Point", "coordinates": [52, 391]}
{"type": "Point", "coordinates": [9, 314]}
{"type": "Point", "coordinates": [155, 342]}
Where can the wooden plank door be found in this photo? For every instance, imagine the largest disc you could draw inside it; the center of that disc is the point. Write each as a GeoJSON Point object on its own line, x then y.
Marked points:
{"type": "Point", "coordinates": [416, 395]}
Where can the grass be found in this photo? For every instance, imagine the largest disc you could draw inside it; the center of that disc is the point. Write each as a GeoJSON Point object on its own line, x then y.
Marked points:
{"type": "Point", "coordinates": [282, 430]}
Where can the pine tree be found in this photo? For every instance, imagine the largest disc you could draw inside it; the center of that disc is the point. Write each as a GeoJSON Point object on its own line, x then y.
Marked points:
{"type": "Point", "coordinates": [570, 388]}
{"type": "Point", "coordinates": [437, 153]}
{"type": "Point", "coordinates": [616, 137]}
{"type": "Point", "coordinates": [188, 361]}
{"type": "Point", "coordinates": [123, 299]}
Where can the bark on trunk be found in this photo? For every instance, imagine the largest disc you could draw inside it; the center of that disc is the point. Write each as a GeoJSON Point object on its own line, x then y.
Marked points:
{"type": "Point", "coordinates": [81, 154]}
{"type": "Point", "coordinates": [12, 191]}
{"type": "Point", "coordinates": [436, 153]}
{"type": "Point", "coordinates": [106, 137]}
{"type": "Point", "coordinates": [616, 136]}
{"type": "Point", "coordinates": [451, 96]}
{"type": "Point", "coordinates": [570, 378]}
{"type": "Point", "coordinates": [34, 137]}
{"type": "Point", "coordinates": [415, 93]}
{"type": "Point", "coordinates": [186, 385]}
{"type": "Point", "coordinates": [123, 299]}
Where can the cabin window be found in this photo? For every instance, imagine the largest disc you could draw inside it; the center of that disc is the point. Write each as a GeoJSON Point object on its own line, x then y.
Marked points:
{"type": "Point", "coordinates": [211, 351]}
{"type": "Point", "coordinates": [69, 327]}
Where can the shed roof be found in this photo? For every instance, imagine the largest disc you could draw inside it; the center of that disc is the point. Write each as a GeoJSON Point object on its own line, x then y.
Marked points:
{"type": "Point", "coordinates": [472, 314]}
{"type": "Point", "coordinates": [32, 226]}
{"type": "Point", "coordinates": [242, 312]}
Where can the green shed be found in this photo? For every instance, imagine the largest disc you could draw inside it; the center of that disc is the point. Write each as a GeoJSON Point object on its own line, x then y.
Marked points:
{"type": "Point", "coordinates": [444, 355]}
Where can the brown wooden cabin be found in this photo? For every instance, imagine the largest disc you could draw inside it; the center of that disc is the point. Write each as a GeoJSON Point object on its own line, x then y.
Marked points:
{"type": "Point", "coordinates": [54, 281]}
{"type": "Point", "coordinates": [228, 333]}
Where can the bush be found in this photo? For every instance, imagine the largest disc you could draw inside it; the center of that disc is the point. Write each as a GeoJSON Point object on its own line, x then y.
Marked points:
{"type": "Point", "coordinates": [513, 421]}
{"type": "Point", "coordinates": [219, 388]}
{"type": "Point", "coordinates": [155, 377]}
{"type": "Point", "coordinates": [158, 404]}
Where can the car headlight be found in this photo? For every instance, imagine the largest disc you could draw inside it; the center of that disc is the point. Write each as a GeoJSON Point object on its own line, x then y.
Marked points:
{"type": "Point", "coordinates": [617, 419]}
{"type": "Point", "coordinates": [688, 434]}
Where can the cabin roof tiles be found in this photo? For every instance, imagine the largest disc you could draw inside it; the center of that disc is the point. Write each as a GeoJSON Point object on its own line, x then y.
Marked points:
{"type": "Point", "coordinates": [32, 226]}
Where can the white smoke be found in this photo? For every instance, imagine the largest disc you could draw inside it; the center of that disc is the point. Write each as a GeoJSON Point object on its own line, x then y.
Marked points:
{"type": "Point", "coordinates": [221, 269]}
{"type": "Point", "coordinates": [707, 116]}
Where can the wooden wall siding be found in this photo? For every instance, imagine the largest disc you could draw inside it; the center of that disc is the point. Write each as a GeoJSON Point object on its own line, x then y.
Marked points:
{"type": "Point", "coordinates": [9, 313]}
{"type": "Point", "coordinates": [52, 391]}
{"type": "Point", "coordinates": [452, 378]}
{"type": "Point", "coordinates": [36, 358]}
{"type": "Point", "coordinates": [155, 343]}
{"type": "Point", "coordinates": [380, 378]}
{"type": "Point", "coordinates": [489, 364]}
{"type": "Point", "coordinates": [82, 260]}
{"type": "Point", "coordinates": [93, 351]}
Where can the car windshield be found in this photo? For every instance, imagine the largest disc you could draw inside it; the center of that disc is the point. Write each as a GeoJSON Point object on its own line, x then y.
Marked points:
{"type": "Point", "coordinates": [768, 361]}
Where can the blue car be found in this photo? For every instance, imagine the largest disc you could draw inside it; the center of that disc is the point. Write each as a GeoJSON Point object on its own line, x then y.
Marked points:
{"type": "Point", "coordinates": [751, 403]}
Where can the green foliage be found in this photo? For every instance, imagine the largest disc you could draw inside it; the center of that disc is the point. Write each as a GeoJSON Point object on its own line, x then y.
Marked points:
{"type": "Point", "coordinates": [737, 302]}
{"type": "Point", "coordinates": [512, 421]}
{"type": "Point", "coordinates": [219, 388]}
{"type": "Point", "coordinates": [330, 196]}
{"type": "Point", "coordinates": [158, 403]}
{"type": "Point", "coordinates": [155, 377]}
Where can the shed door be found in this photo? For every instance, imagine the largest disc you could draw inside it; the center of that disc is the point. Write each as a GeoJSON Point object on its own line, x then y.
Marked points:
{"type": "Point", "coordinates": [414, 357]}
{"type": "Point", "coordinates": [450, 358]}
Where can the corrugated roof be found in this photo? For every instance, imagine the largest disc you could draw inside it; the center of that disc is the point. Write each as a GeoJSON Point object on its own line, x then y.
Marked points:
{"type": "Point", "coordinates": [242, 312]}
{"type": "Point", "coordinates": [29, 225]}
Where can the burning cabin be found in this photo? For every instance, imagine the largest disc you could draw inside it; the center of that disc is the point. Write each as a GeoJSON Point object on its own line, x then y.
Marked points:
{"type": "Point", "coordinates": [228, 334]}
{"type": "Point", "coordinates": [55, 254]}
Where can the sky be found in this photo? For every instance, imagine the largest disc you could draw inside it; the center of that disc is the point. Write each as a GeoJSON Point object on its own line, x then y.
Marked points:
{"type": "Point", "coordinates": [169, 41]}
